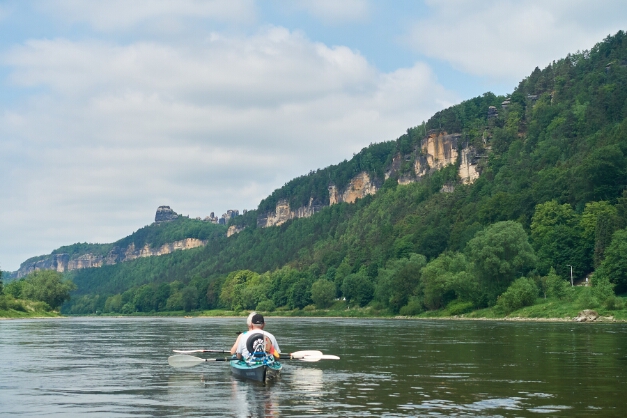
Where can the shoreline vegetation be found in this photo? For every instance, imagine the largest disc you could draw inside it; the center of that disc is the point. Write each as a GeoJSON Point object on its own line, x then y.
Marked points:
{"type": "Point", "coordinates": [544, 310]}
{"type": "Point", "coordinates": [19, 308]}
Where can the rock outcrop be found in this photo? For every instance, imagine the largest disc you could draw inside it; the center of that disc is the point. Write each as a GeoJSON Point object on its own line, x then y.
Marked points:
{"type": "Point", "coordinates": [63, 262]}
{"type": "Point", "coordinates": [283, 213]}
{"type": "Point", "coordinates": [436, 151]}
{"type": "Point", "coordinates": [165, 214]}
{"type": "Point", "coordinates": [359, 187]}
{"type": "Point", "coordinates": [440, 149]}
{"type": "Point", "coordinates": [587, 315]}
{"type": "Point", "coordinates": [234, 230]}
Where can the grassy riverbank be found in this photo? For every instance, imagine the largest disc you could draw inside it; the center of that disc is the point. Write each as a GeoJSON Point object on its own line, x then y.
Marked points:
{"type": "Point", "coordinates": [11, 308]}
{"type": "Point", "coordinates": [543, 309]}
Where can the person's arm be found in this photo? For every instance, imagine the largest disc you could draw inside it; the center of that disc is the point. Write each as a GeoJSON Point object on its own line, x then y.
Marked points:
{"type": "Point", "coordinates": [234, 348]}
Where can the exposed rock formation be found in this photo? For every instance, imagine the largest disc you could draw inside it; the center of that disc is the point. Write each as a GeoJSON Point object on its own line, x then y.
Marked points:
{"type": "Point", "coordinates": [587, 315]}
{"type": "Point", "coordinates": [63, 262]}
{"type": "Point", "coordinates": [283, 213]}
{"type": "Point", "coordinates": [165, 214]}
{"type": "Point", "coordinates": [440, 150]}
{"type": "Point", "coordinates": [234, 230]}
{"type": "Point", "coordinates": [359, 187]}
{"type": "Point", "coordinates": [437, 150]}
{"type": "Point", "coordinates": [468, 166]}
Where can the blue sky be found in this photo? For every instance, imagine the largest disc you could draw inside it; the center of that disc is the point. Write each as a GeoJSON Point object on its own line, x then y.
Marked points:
{"type": "Point", "coordinates": [110, 109]}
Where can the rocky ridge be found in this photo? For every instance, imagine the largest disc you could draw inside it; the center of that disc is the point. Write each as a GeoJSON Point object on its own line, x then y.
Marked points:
{"type": "Point", "coordinates": [63, 262]}
{"type": "Point", "coordinates": [436, 151]}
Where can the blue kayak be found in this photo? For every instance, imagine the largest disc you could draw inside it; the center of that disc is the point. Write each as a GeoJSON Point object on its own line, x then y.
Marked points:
{"type": "Point", "coordinates": [260, 372]}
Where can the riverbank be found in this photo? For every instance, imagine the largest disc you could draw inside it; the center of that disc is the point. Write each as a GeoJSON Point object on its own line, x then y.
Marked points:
{"type": "Point", "coordinates": [544, 310]}
{"type": "Point", "coordinates": [12, 308]}
{"type": "Point", "coordinates": [13, 314]}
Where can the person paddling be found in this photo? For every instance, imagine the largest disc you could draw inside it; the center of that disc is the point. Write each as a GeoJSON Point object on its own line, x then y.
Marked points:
{"type": "Point", "coordinates": [243, 334]}
{"type": "Point", "coordinates": [257, 344]}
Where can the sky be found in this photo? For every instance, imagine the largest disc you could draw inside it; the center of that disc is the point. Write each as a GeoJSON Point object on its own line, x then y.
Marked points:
{"type": "Point", "coordinates": [111, 109]}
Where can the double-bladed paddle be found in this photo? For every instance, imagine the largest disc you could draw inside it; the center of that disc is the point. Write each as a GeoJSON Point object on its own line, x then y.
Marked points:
{"type": "Point", "coordinates": [294, 355]}
{"type": "Point", "coordinates": [184, 360]}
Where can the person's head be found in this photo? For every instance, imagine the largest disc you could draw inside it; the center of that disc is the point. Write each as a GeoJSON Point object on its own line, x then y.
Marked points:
{"type": "Point", "coordinates": [257, 321]}
{"type": "Point", "coordinates": [250, 319]}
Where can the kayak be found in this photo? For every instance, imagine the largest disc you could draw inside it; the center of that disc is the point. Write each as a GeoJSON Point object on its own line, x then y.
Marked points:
{"type": "Point", "coordinates": [259, 372]}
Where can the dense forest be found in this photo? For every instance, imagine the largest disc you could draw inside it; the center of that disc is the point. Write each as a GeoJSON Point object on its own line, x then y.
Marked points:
{"type": "Point", "coordinates": [550, 202]}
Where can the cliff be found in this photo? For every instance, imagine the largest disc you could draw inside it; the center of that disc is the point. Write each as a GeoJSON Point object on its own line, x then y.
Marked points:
{"type": "Point", "coordinates": [65, 262]}
{"type": "Point", "coordinates": [434, 152]}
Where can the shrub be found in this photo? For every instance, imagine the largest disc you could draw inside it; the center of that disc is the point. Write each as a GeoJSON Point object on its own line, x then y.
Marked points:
{"type": "Point", "coordinates": [7, 302]}
{"type": "Point", "coordinates": [522, 292]}
{"type": "Point", "coordinates": [323, 293]}
{"type": "Point", "coordinates": [586, 299]}
{"type": "Point", "coordinates": [309, 308]}
{"type": "Point", "coordinates": [613, 303]}
{"type": "Point", "coordinates": [458, 307]}
{"type": "Point", "coordinates": [554, 285]}
{"type": "Point", "coordinates": [602, 289]}
{"type": "Point", "coordinates": [413, 307]}
{"type": "Point", "coordinates": [265, 306]}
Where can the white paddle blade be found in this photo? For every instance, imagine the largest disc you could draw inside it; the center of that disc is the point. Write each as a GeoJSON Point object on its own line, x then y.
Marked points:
{"type": "Point", "coordinates": [312, 359]}
{"type": "Point", "coordinates": [200, 351]}
{"type": "Point", "coordinates": [304, 353]}
{"type": "Point", "coordinates": [181, 360]}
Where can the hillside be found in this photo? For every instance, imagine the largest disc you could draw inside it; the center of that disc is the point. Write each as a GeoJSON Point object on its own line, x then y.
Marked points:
{"type": "Point", "coordinates": [454, 211]}
{"type": "Point", "coordinates": [158, 238]}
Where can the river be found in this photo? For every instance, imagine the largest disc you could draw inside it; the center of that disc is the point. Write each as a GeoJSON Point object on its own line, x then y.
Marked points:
{"type": "Point", "coordinates": [117, 367]}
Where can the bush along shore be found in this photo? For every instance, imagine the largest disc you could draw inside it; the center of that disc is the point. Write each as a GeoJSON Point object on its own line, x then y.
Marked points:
{"type": "Point", "coordinates": [578, 304]}
{"type": "Point", "coordinates": [39, 295]}
{"type": "Point", "coordinates": [11, 307]}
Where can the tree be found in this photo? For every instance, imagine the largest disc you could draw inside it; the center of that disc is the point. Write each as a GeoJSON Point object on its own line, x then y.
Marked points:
{"type": "Point", "coordinates": [445, 279]}
{"type": "Point", "coordinates": [614, 266]}
{"type": "Point", "coordinates": [323, 293]}
{"type": "Point", "coordinates": [554, 286]}
{"type": "Point", "coordinates": [299, 294]}
{"type": "Point", "coordinates": [358, 288]}
{"type": "Point", "coordinates": [499, 254]}
{"type": "Point", "coordinates": [1, 285]}
{"type": "Point", "coordinates": [232, 288]}
{"type": "Point", "coordinates": [189, 297]}
{"type": "Point", "coordinates": [598, 222]}
{"type": "Point", "coordinates": [404, 281]}
{"type": "Point", "coordinates": [557, 234]}
{"type": "Point", "coordinates": [47, 286]}
{"type": "Point", "coordinates": [522, 292]}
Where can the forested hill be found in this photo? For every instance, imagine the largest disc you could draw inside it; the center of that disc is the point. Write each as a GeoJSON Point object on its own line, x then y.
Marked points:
{"type": "Point", "coordinates": [154, 239]}
{"type": "Point", "coordinates": [551, 164]}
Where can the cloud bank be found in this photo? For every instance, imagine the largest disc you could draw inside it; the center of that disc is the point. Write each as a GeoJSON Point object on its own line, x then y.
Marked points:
{"type": "Point", "coordinates": [111, 131]}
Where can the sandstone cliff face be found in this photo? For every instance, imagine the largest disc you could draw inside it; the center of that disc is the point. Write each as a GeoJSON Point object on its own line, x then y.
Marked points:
{"type": "Point", "coordinates": [63, 262]}
{"type": "Point", "coordinates": [233, 230]}
{"type": "Point", "coordinates": [436, 151]}
{"type": "Point", "coordinates": [283, 213]}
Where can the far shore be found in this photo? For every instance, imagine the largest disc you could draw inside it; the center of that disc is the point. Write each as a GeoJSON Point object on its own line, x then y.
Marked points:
{"type": "Point", "coordinates": [195, 315]}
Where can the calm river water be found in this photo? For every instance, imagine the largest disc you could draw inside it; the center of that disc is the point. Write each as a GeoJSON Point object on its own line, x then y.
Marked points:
{"type": "Point", "coordinates": [118, 367]}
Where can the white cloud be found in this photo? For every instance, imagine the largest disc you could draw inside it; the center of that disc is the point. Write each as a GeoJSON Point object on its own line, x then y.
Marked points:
{"type": "Point", "coordinates": [333, 11]}
{"type": "Point", "coordinates": [113, 15]}
{"type": "Point", "coordinates": [110, 132]}
{"type": "Point", "coordinates": [507, 39]}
